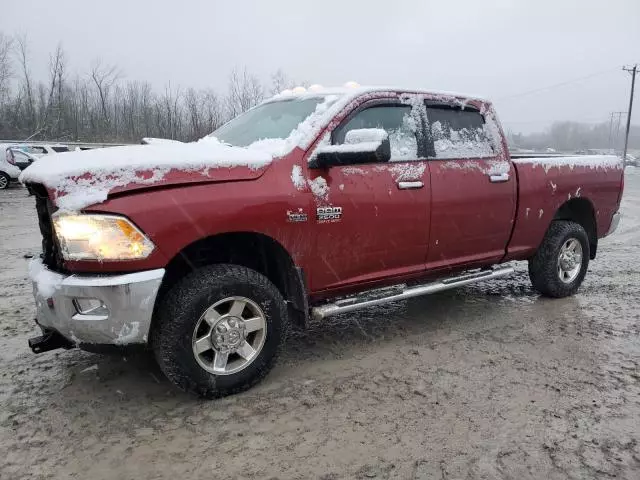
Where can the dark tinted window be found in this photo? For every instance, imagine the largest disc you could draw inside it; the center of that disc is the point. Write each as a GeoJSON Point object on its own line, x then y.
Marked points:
{"type": "Point", "coordinates": [458, 133]}
{"type": "Point", "coordinates": [395, 119]}
{"type": "Point", "coordinates": [60, 149]}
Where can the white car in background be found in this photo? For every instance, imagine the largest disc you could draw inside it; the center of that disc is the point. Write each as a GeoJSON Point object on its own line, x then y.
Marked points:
{"type": "Point", "coordinates": [15, 157]}
{"type": "Point", "coordinates": [8, 173]}
{"type": "Point", "coordinates": [37, 150]}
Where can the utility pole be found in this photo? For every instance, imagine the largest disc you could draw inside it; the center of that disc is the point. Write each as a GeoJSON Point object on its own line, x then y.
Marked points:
{"type": "Point", "coordinates": [633, 71]}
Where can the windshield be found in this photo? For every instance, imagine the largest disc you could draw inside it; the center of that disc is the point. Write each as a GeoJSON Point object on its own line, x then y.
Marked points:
{"type": "Point", "coordinates": [269, 120]}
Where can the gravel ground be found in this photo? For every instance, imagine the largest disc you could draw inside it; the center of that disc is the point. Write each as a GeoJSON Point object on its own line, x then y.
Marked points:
{"type": "Point", "coordinates": [489, 381]}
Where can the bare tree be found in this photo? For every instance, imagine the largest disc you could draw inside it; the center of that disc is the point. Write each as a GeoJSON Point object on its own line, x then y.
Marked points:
{"type": "Point", "coordinates": [6, 47]}
{"type": "Point", "coordinates": [280, 81]}
{"type": "Point", "coordinates": [22, 52]}
{"type": "Point", "coordinates": [245, 91]}
{"type": "Point", "coordinates": [104, 77]}
{"type": "Point", "coordinates": [99, 107]}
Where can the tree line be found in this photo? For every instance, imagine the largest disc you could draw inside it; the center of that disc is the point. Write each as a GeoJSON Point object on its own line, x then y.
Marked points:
{"type": "Point", "coordinates": [101, 106]}
{"type": "Point", "coordinates": [576, 136]}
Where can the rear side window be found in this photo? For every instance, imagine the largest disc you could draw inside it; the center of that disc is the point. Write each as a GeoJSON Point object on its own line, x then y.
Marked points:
{"type": "Point", "coordinates": [395, 119]}
{"type": "Point", "coordinates": [60, 149]}
{"type": "Point", "coordinates": [458, 133]}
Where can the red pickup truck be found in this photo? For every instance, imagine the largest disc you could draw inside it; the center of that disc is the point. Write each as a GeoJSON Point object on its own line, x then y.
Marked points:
{"type": "Point", "coordinates": [313, 203]}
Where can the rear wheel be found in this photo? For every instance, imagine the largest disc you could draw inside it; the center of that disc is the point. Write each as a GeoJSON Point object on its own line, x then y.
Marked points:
{"type": "Point", "coordinates": [219, 330]}
{"type": "Point", "coordinates": [560, 264]}
{"type": "Point", "coordinates": [4, 180]}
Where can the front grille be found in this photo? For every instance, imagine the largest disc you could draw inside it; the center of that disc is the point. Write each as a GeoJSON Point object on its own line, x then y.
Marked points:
{"type": "Point", "coordinates": [51, 256]}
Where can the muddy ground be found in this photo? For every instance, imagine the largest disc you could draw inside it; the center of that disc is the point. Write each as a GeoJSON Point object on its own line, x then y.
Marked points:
{"type": "Point", "coordinates": [490, 381]}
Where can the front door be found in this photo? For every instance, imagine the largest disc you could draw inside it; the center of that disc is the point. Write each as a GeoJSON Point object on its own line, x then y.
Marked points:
{"type": "Point", "coordinates": [372, 220]}
{"type": "Point", "coordinates": [473, 187]}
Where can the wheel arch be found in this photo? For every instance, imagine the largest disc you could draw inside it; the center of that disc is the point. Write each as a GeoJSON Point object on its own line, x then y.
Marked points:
{"type": "Point", "coordinates": [253, 250]}
{"type": "Point", "coordinates": [581, 211]}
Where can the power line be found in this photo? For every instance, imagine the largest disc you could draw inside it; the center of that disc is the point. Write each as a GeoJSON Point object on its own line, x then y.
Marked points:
{"type": "Point", "coordinates": [633, 70]}
{"type": "Point", "coordinates": [561, 84]}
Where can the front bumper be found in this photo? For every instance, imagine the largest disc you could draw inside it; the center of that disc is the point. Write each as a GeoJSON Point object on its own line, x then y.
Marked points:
{"type": "Point", "coordinates": [123, 318]}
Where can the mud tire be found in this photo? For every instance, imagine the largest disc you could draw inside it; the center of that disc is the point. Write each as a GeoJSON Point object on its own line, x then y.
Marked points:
{"type": "Point", "coordinates": [543, 266]}
{"type": "Point", "coordinates": [182, 307]}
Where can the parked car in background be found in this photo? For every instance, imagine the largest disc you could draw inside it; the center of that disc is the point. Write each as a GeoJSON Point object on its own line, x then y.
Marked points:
{"type": "Point", "coordinates": [632, 161]}
{"type": "Point", "coordinates": [9, 173]}
{"type": "Point", "coordinates": [36, 149]}
{"type": "Point", "coordinates": [20, 158]}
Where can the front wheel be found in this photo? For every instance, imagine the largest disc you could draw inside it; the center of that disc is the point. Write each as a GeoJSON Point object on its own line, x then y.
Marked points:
{"type": "Point", "coordinates": [219, 330]}
{"type": "Point", "coordinates": [560, 264]}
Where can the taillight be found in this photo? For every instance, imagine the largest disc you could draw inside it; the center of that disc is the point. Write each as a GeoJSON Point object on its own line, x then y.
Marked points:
{"type": "Point", "coordinates": [10, 158]}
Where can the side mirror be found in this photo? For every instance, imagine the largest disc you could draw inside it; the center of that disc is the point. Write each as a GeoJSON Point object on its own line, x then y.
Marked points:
{"type": "Point", "coordinates": [365, 145]}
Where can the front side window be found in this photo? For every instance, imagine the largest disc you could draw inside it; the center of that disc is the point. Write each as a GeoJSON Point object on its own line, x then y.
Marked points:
{"type": "Point", "coordinates": [458, 133]}
{"type": "Point", "coordinates": [398, 122]}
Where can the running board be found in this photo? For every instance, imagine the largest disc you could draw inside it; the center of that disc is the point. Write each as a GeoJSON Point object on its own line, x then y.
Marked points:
{"type": "Point", "coordinates": [393, 294]}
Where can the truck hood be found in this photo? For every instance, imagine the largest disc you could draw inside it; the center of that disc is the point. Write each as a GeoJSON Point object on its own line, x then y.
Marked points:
{"type": "Point", "coordinates": [76, 180]}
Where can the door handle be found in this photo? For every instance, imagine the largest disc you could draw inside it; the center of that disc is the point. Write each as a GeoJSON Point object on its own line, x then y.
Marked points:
{"type": "Point", "coordinates": [410, 185]}
{"type": "Point", "coordinates": [499, 178]}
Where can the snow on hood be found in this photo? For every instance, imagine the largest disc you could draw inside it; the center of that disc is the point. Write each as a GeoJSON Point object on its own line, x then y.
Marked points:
{"type": "Point", "coordinates": [80, 179]}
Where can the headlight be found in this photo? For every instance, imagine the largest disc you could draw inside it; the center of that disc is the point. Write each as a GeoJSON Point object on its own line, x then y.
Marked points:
{"type": "Point", "coordinates": [100, 237]}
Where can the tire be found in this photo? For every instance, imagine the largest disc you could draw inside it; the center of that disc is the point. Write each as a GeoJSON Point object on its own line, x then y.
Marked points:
{"type": "Point", "coordinates": [5, 180]}
{"type": "Point", "coordinates": [549, 273]}
{"type": "Point", "coordinates": [181, 320]}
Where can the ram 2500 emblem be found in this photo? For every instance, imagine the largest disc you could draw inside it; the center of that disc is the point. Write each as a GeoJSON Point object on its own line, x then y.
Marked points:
{"type": "Point", "coordinates": [329, 214]}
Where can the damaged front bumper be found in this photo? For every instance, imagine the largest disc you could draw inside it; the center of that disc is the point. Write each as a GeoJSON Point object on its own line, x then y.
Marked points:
{"type": "Point", "coordinates": [95, 309]}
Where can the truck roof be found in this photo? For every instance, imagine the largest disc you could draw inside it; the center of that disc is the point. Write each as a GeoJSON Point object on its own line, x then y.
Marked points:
{"type": "Point", "coordinates": [356, 91]}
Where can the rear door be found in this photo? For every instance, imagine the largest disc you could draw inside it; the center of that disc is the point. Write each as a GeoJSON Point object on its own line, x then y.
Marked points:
{"type": "Point", "coordinates": [381, 229]}
{"type": "Point", "coordinates": [473, 186]}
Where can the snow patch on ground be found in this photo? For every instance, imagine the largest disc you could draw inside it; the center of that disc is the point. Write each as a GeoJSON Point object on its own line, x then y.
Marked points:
{"type": "Point", "coordinates": [297, 178]}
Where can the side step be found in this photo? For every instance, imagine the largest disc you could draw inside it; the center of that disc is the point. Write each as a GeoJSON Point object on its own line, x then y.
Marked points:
{"type": "Point", "coordinates": [401, 293]}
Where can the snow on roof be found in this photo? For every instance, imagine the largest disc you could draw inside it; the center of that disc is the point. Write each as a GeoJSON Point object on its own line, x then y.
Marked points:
{"type": "Point", "coordinates": [353, 92]}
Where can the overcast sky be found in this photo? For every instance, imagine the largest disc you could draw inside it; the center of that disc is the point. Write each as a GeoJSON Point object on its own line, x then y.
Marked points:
{"type": "Point", "coordinates": [497, 48]}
